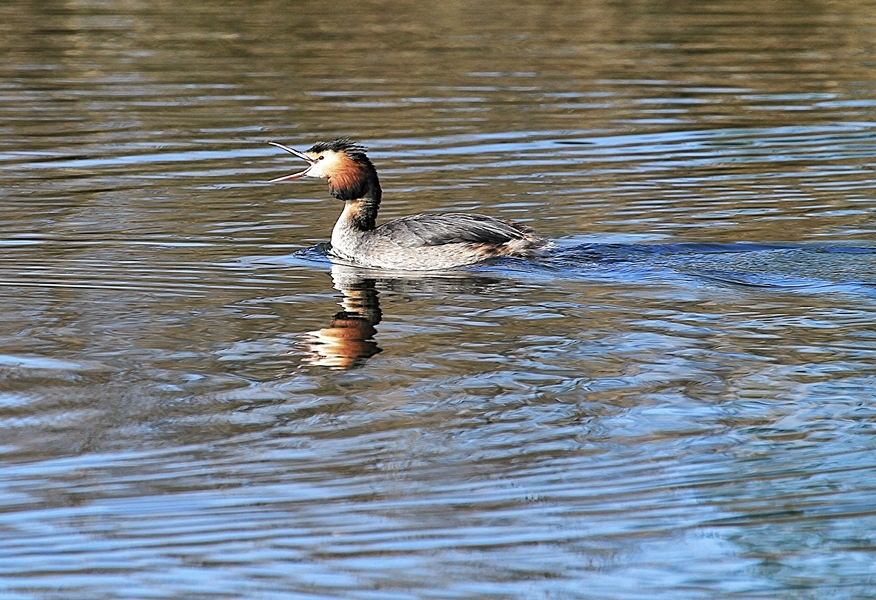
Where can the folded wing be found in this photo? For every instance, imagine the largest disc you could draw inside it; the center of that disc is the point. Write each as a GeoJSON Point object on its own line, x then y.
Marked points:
{"type": "Point", "coordinates": [452, 228]}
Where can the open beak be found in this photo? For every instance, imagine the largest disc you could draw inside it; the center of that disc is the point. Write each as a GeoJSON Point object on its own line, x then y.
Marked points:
{"type": "Point", "coordinates": [301, 155]}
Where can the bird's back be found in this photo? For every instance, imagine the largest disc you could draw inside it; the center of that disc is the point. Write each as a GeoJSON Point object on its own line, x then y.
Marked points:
{"type": "Point", "coordinates": [452, 228]}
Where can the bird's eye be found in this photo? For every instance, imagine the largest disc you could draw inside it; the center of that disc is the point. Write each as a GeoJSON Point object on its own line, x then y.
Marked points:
{"type": "Point", "coordinates": [320, 158]}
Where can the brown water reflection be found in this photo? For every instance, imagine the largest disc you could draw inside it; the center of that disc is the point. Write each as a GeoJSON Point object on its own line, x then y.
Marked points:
{"type": "Point", "coordinates": [677, 403]}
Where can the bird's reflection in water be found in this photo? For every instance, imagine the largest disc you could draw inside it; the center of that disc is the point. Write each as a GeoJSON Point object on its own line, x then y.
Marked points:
{"type": "Point", "coordinates": [348, 341]}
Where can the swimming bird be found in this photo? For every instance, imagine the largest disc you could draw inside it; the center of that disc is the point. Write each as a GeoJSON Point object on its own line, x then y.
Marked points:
{"type": "Point", "coordinates": [423, 242]}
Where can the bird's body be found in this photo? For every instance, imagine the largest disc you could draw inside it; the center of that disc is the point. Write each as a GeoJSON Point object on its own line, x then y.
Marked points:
{"type": "Point", "coordinates": [418, 242]}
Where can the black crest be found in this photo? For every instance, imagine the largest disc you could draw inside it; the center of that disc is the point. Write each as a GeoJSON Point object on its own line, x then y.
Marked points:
{"type": "Point", "coordinates": [351, 149]}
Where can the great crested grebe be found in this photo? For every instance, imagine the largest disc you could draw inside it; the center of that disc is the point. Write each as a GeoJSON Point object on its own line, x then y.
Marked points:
{"type": "Point", "coordinates": [424, 242]}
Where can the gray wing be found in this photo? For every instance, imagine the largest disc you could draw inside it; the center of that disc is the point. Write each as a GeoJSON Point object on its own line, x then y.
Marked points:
{"type": "Point", "coordinates": [451, 228]}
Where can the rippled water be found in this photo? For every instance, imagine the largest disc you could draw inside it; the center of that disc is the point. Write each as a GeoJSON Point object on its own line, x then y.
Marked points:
{"type": "Point", "coordinates": [677, 402]}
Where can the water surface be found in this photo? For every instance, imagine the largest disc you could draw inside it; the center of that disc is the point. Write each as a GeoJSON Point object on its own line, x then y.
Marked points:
{"type": "Point", "coordinates": [676, 402]}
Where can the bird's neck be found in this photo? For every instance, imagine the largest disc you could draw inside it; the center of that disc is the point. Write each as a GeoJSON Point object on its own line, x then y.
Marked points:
{"type": "Point", "coordinates": [361, 194]}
